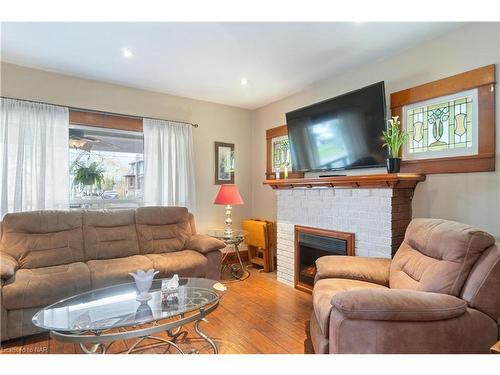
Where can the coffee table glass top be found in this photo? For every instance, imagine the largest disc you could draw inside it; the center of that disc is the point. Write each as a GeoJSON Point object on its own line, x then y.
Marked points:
{"type": "Point", "coordinates": [116, 306]}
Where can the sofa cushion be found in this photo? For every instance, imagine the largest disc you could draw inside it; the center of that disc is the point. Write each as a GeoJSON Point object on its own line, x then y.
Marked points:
{"type": "Point", "coordinates": [109, 272]}
{"type": "Point", "coordinates": [44, 286]}
{"type": "Point", "coordinates": [162, 229]}
{"type": "Point", "coordinates": [43, 238]}
{"type": "Point", "coordinates": [437, 256]}
{"type": "Point", "coordinates": [323, 292]}
{"type": "Point", "coordinates": [109, 234]}
{"type": "Point", "coordinates": [186, 263]}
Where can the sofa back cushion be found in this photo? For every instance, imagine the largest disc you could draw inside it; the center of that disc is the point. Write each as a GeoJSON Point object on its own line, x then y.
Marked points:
{"type": "Point", "coordinates": [162, 229]}
{"type": "Point", "coordinates": [43, 238]}
{"type": "Point", "coordinates": [482, 288]}
{"type": "Point", "coordinates": [437, 256]}
{"type": "Point", "coordinates": [109, 234]}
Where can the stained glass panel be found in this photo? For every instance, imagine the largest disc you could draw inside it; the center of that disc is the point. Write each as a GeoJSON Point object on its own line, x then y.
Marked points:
{"type": "Point", "coordinates": [281, 153]}
{"type": "Point", "coordinates": [442, 127]}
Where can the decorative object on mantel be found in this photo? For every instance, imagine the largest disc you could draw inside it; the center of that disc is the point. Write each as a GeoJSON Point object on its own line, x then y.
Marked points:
{"type": "Point", "coordinates": [385, 180]}
{"type": "Point", "coordinates": [394, 139]}
{"type": "Point", "coordinates": [278, 154]}
{"type": "Point", "coordinates": [143, 282]}
{"type": "Point", "coordinates": [224, 163]}
{"type": "Point", "coordinates": [450, 123]}
{"type": "Point", "coordinates": [228, 195]}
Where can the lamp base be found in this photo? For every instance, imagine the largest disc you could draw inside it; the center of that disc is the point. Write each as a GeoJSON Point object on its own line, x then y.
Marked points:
{"type": "Point", "coordinates": [228, 230]}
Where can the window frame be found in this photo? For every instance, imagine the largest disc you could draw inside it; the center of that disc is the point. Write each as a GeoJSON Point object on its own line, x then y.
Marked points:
{"type": "Point", "coordinates": [482, 79]}
{"type": "Point", "coordinates": [458, 151]}
{"type": "Point", "coordinates": [95, 120]}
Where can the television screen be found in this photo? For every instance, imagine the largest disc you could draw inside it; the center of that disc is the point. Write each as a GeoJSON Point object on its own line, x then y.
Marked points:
{"type": "Point", "coordinates": [340, 133]}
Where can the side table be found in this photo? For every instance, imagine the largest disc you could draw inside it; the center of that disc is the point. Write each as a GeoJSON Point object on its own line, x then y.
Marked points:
{"type": "Point", "coordinates": [238, 270]}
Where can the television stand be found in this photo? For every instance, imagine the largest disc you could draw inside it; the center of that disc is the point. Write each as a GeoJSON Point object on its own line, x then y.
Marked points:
{"type": "Point", "coordinates": [331, 175]}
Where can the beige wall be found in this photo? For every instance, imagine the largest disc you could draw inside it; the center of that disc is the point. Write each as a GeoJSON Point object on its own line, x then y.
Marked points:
{"type": "Point", "coordinates": [217, 123]}
{"type": "Point", "coordinates": [472, 198]}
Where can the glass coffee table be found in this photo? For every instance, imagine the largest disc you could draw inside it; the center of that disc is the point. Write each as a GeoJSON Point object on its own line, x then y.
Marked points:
{"type": "Point", "coordinates": [97, 318]}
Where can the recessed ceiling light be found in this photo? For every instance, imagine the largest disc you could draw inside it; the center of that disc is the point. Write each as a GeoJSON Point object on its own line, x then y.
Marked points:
{"type": "Point", "coordinates": [127, 53]}
{"type": "Point", "coordinates": [244, 81]}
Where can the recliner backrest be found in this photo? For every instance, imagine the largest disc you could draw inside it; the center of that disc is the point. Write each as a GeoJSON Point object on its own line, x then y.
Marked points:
{"type": "Point", "coordinates": [482, 288]}
{"type": "Point", "coordinates": [437, 256]}
{"type": "Point", "coordinates": [162, 229]}
{"type": "Point", "coordinates": [43, 238]}
{"type": "Point", "coordinates": [109, 234]}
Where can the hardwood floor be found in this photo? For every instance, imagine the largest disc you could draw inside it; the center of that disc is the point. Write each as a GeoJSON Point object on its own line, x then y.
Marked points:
{"type": "Point", "coordinates": [257, 315]}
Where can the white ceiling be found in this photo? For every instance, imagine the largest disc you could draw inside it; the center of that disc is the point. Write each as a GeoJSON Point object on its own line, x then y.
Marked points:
{"type": "Point", "coordinates": [207, 60]}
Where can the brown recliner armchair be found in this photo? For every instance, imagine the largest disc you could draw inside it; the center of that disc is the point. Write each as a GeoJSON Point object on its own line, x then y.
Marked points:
{"type": "Point", "coordinates": [439, 294]}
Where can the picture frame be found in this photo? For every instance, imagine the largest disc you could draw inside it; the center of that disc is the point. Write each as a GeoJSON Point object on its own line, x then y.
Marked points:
{"type": "Point", "coordinates": [224, 163]}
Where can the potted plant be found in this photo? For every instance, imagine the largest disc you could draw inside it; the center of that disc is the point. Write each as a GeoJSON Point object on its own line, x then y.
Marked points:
{"type": "Point", "coordinates": [89, 175]}
{"type": "Point", "coordinates": [394, 139]}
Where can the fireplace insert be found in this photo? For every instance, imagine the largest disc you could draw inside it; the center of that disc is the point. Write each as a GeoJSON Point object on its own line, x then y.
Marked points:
{"type": "Point", "coordinates": [313, 243]}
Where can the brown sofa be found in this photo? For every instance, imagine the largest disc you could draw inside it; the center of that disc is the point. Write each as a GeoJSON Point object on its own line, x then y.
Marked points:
{"type": "Point", "coordinates": [46, 256]}
{"type": "Point", "coordinates": [439, 294]}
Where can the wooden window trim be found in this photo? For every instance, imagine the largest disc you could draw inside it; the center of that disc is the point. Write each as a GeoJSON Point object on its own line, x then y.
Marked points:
{"type": "Point", "coordinates": [484, 80]}
{"type": "Point", "coordinates": [103, 120]}
{"type": "Point", "coordinates": [278, 131]}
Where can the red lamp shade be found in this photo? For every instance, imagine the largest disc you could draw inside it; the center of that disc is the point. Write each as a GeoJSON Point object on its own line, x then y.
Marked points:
{"type": "Point", "coordinates": [228, 194]}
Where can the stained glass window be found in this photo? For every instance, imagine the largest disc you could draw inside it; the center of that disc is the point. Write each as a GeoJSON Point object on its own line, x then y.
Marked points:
{"type": "Point", "coordinates": [441, 127]}
{"type": "Point", "coordinates": [281, 153]}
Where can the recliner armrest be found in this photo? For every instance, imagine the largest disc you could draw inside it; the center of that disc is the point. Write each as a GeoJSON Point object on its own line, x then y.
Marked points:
{"type": "Point", "coordinates": [374, 270]}
{"type": "Point", "coordinates": [204, 243]}
{"type": "Point", "coordinates": [397, 305]}
{"type": "Point", "coordinates": [8, 266]}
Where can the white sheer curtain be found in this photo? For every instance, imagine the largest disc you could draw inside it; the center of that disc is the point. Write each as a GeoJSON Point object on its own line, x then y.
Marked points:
{"type": "Point", "coordinates": [34, 156]}
{"type": "Point", "coordinates": [168, 164]}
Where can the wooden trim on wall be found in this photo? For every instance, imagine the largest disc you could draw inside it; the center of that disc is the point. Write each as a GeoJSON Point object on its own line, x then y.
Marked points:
{"type": "Point", "coordinates": [347, 236]}
{"type": "Point", "coordinates": [278, 131]}
{"type": "Point", "coordinates": [484, 80]}
{"type": "Point", "coordinates": [102, 120]}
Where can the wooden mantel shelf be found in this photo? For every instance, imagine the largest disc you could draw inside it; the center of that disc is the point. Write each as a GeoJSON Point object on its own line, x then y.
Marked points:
{"type": "Point", "coordinates": [385, 180]}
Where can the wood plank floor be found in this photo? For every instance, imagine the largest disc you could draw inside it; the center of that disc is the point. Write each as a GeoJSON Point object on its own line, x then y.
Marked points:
{"type": "Point", "coordinates": [257, 315]}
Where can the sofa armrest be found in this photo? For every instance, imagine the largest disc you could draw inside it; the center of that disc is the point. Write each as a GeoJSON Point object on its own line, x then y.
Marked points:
{"type": "Point", "coordinates": [8, 266]}
{"type": "Point", "coordinates": [374, 270]}
{"type": "Point", "coordinates": [397, 305]}
{"type": "Point", "coordinates": [204, 243]}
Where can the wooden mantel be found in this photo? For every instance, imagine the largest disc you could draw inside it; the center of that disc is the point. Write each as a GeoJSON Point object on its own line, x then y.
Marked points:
{"type": "Point", "coordinates": [384, 180]}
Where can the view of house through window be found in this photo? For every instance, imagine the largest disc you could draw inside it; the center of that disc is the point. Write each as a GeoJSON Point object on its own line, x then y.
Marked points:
{"type": "Point", "coordinates": [106, 168]}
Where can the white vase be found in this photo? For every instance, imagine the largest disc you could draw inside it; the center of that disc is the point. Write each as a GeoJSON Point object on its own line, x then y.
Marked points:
{"type": "Point", "coordinates": [143, 282]}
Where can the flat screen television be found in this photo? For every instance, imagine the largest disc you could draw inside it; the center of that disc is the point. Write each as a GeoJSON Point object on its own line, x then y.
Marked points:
{"type": "Point", "coordinates": [341, 133]}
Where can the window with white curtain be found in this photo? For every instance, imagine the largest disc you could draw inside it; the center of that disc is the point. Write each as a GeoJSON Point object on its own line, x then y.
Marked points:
{"type": "Point", "coordinates": [34, 164]}
{"type": "Point", "coordinates": [168, 164]}
{"type": "Point", "coordinates": [48, 163]}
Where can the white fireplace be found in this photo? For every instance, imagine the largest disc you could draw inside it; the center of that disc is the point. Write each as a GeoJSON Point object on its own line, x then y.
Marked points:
{"type": "Point", "coordinates": [377, 217]}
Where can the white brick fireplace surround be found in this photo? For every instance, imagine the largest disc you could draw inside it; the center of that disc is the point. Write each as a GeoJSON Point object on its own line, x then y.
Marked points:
{"type": "Point", "coordinates": [368, 213]}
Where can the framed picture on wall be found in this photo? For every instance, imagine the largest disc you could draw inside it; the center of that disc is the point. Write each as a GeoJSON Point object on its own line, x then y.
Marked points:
{"type": "Point", "coordinates": [224, 163]}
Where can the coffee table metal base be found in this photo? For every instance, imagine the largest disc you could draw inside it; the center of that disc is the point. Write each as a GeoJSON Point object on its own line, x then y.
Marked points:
{"type": "Point", "coordinates": [98, 342]}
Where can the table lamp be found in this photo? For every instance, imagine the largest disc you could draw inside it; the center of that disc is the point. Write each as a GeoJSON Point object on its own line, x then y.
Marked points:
{"type": "Point", "coordinates": [228, 195]}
